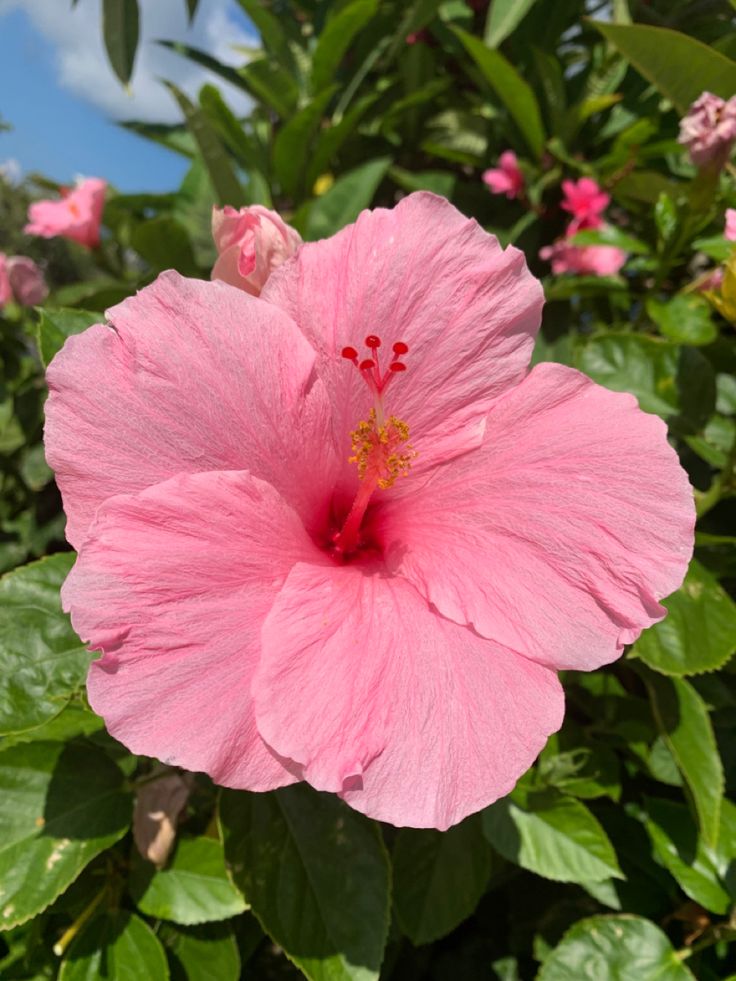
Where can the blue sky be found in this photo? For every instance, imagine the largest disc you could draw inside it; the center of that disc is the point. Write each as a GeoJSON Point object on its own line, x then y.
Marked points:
{"type": "Point", "coordinates": [62, 99]}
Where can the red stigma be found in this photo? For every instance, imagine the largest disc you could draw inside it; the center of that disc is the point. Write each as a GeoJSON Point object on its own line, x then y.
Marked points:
{"type": "Point", "coordinates": [373, 341]}
{"type": "Point", "coordinates": [350, 353]}
{"type": "Point", "coordinates": [400, 348]}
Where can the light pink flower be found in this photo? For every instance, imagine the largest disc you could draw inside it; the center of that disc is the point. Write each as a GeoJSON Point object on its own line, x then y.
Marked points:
{"type": "Point", "coordinates": [507, 178]}
{"type": "Point", "coordinates": [6, 293]}
{"type": "Point", "coordinates": [709, 129]}
{"type": "Point", "coordinates": [585, 201]}
{"type": "Point", "coordinates": [583, 260]}
{"type": "Point", "coordinates": [27, 281]}
{"type": "Point", "coordinates": [267, 616]}
{"type": "Point", "coordinates": [251, 243]}
{"type": "Point", "coordinates": [76, 216]}
{"type": "Point", "coordinates": [730, 229]}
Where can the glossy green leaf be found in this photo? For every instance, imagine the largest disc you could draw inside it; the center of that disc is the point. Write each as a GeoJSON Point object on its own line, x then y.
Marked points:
{"type": "Point", "coordinates": [192, 9]}
{"type": "Point", "coordinates": [193, 888]}
{"type": "Point", "coordinates": [60, 805]}
{"type": "Point", "coordinates": [347, 197]}
{"type": "Point", "coordinates": [614, 948]}
{"type": "Point", "coordinates": [269, 82]}
{"type": "Point", "coordinates": [681, 67]}
{"type": "Point", "coordinates": [115, 946]}
{"type": "Point", "coordinates": [120, 29]}
{"type": "Point", "coordinates": [315, 874]}
{"type": "Point", "coordinates": [292, 145]}
{"type": "Point", "coordinates": [510, 87]}
{"type": "Point", "coordinates": [699, 632]}
{"type": "Point", "coordinates": [683, 720]}
{"type": "Point", "coordinates": [164, 243]}
{"type": "Point", "coordinates": [685, 319]}
{"type": "Point", "coordinates": [439, 878]}
{"type": "Point", "coordinates": [504, 17]}
{"type": "Point", "coordinates": [550, 834]}
{"type": "Point", "coordinates": [249, 152]}
{"type": "Point", "coordinates": [224, 181]}
{"type": "Point", "coordinates": [42, 661]}
{"type": "Point", "coordinates": [204, 953]}
{"type": "Point", "coordinates": [337, 37]}
{"type": "Point", "coordinates": [55, 325]}
{"type": "Point", "coordinates": [699, 871]}
{"type": "Point", "coordinates": [609, 235]}
{"type": "Point", "coordinates": [272, 30]}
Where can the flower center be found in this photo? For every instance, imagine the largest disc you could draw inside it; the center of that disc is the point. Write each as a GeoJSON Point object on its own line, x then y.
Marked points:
{"type": "Point", "coordinates": [380, 445]}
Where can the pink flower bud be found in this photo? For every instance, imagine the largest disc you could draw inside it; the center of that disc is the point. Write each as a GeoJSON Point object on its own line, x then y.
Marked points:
{"type": "Point", "coordinates": [730, 230]}
{"type": "Point", "coordinates": [251, 243]}
{"type": "Point", "coordinates": [709, 129]}
{"type": "Point", "coordinates": [26, 281]}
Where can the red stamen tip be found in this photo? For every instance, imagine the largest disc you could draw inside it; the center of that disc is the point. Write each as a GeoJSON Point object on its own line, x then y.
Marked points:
{"type": "Point", "coordinates": [350, 353]}
{"type": "Point", "coordinates": [401, 348]}
{"type": "Point", "coordinates": [397, 366]}
{"type": "Point", "coordinates": [365, 365]}
{"type": "Point", "coordinates": [372, 341]}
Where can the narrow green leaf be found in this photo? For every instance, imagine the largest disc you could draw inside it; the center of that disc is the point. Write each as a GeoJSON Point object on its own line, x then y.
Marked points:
{"type": "Point", "coordinates": [503, 19]}
{"type": "Point", "coordinates": [42, 661]}
{"type": "Point", "coordinates": [510, 87]}
{"type": "Point", "coordinates": [683, 720]}
{"type": "Point", "coordinates": [120, 29]}
{"type": "Point", "coordinates": [550, 834]}
{"type": "Point", "coordinates": [680, 67]}
{"type": "Point", "coordinates": [55, 325]}
{"type": "Point", "coordinates": [291, 149]}
{"type": "Point", "coordinates": [224, 182]}
{"type": "Point", "coordinates": [609, 235]}
{"type": "Point", "coordinates": [614, 948]}
{"type": "Point", "coordinates": [192, 9]}
{"type": "Point", "coordinates": [226, 72]}
{"type": "Point", "coordinates": [336, 38]}
{"type": "Point", "coordinates": [193, 889]}
{"type": "Point", "coordinates": [115, 946]}
{"type": "Point", "coordinates": [315, 874]}
{"type": "Point", "coordinates": [251, 155]}
{"type": "Point", "coordinates": [699, 632]}
{"type": "Point", "coordinates": [700, 873]}
{"type": "Point", "coordinates": [327, 142]}
{"type": "Point", "coordinates": [439, 878]}
{"type": "Point", "coordinates": [272, 31]}
{"type": "Point", "coordinates": [60, 805]}
{"type": "Point", "coordinates": [347, 197]}
{"type": "Point", "coordinates": [270, 83]}
{"type": "Point", "coordinates": [164, 243]}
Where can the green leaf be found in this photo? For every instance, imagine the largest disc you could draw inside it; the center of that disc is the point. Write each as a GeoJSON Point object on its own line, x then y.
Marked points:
{"type": "Point", "coordinates": [510, 87]}
{"type": "Point", "coordinates": [699, 632]}
{"type": "Point", "coordinates": [193, 889]}
{"type": "Point", "coordinates": [272, 31]}
{"type": "Point", "coordinates": [695, 867]}
{"type": "Point", "coordinates": [60, 805]}
{"type": "Point", "coordinates": [120, 30]}
{"type": "Point", "coordinates": [685, 319]}
{"type": "Point", "coordinates": [715, 247]}
{"type": "Point", "coordinates": [164, 243]}
{"type": "Point", "coordinates": [292, 145]}
{"type": "Point", "coordinates": [224, 182]}
{"type": "Point", "coordinates": [347, 197]}
{"type": "Point", "coordinates": [269, 82]}
{"type": "Point", "coordinates": [251, 155]}
{"type": "Point", "coordinates": [42, 661]}
{"type": "Point", "coordinates": [683, 720]}
{"type": "Point", "coordinates": [555, 836]}
{"type": "Point", "coordinates": [315, 874]}
{"type": "Point", "coordinates": [680, 67]}
{"type": "Point", "coordinates": [608, 235]}
{"type": "Point", "coordinates": [503, 19]}
{"type": "Point", "coordinates": [192, 9]}
{"type": "Point", "coordinates": [336, 38]}
{"type": "Point", "coordinates": [55, 325]}
{"type": "Point", "coordinates": [437, 181]}
{"type": "Point", "coordinates": [439, 878]}
{"type": "Point", "coordinates": [116, 946]}
{"type": "Point", "coordinates": [205, 953]}
{"type": "Point", "coordinates": [614, 948]}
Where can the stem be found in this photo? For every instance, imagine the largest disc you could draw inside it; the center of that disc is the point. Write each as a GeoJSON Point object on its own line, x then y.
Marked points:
{"type": "Point", "coordinates": [346, 540]}
{"type": "Point", "coordinates": [86, 914]}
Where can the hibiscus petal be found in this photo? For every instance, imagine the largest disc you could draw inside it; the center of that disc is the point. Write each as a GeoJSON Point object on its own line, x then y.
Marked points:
{"type": "Point", "coordinates": [424, 274]}
{"type": "Point", "coordinates": [412, 718]}
{"type": "Point", "coordinates": [189, 377]}
{"type": "Point", "coordinates": [173, 585]}
{"type": "Point", "coordinates": [559, 536]}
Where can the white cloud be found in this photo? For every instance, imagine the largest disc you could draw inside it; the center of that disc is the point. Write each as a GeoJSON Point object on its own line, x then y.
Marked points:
{"type": "Point", "coordinates": [11, 170]}
{"type": "Point", "coordinates": [83, 68]}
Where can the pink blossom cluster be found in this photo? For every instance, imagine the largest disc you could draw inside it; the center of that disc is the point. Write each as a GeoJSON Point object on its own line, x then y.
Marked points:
{"type": "Point", "coordinates": [21, 281]}
{"type": "Point", "coordinates": [709, 130]}
{"type": "Point", "coordinates": [76, 215]}
{"type": "Point", "coordinates": [507, 178]}
{"type": "Point", "coordinates": [585, 201]}
{"type": "Point", "coordinates": [340, 532]}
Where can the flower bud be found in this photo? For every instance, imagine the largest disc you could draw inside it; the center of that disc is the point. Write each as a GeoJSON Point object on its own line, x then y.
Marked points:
{"type": "Point", "coordinates": [251, 243]}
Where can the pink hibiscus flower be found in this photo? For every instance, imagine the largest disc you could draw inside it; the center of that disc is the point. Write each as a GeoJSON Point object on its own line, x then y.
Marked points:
{"type": "Point", "coordinates": [585, 201]}
{"type": "Point", "coordinates": [308, 552]}
{"type": "Point", "coordinates": [507, 178]}
{"type": "Point", "coordinates": [251, 243]}
{"type": "Point", "coordinates": [21, 280]}
{"type": "Point", "coordinates": [76, 216]}
{"type": "Point", "coordinates": [583, 260]}
{"type": "Point", "coordinates": [708, 130]}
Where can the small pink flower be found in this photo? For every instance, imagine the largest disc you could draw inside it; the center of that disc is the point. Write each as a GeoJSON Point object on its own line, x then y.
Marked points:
{"type": "Point", "coordinates": [709, 129]}
{"type": "Point", "coordinates": [21, 280]}
{"type": "Point", "coordinates": [76, 216]}
{"type": "Point", "coordinates": [6, 293]}
{"type": "Point", "coordinates": [583, 260]}
{"type": "Point", "coordinates": [316, 553]}
{"type": "Point", "coordinates": [251, 243]}
{"type": "Point", "coordinates": [507, 178]}
{"type": "Point", "coordinates": [585, 201]}
{"type": "Point", "coordinates": [730, 229]}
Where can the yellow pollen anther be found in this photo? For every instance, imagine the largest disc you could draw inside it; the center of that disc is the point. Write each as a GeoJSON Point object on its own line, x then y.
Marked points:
{"type": "Point", "coordinates": [382, 453]}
